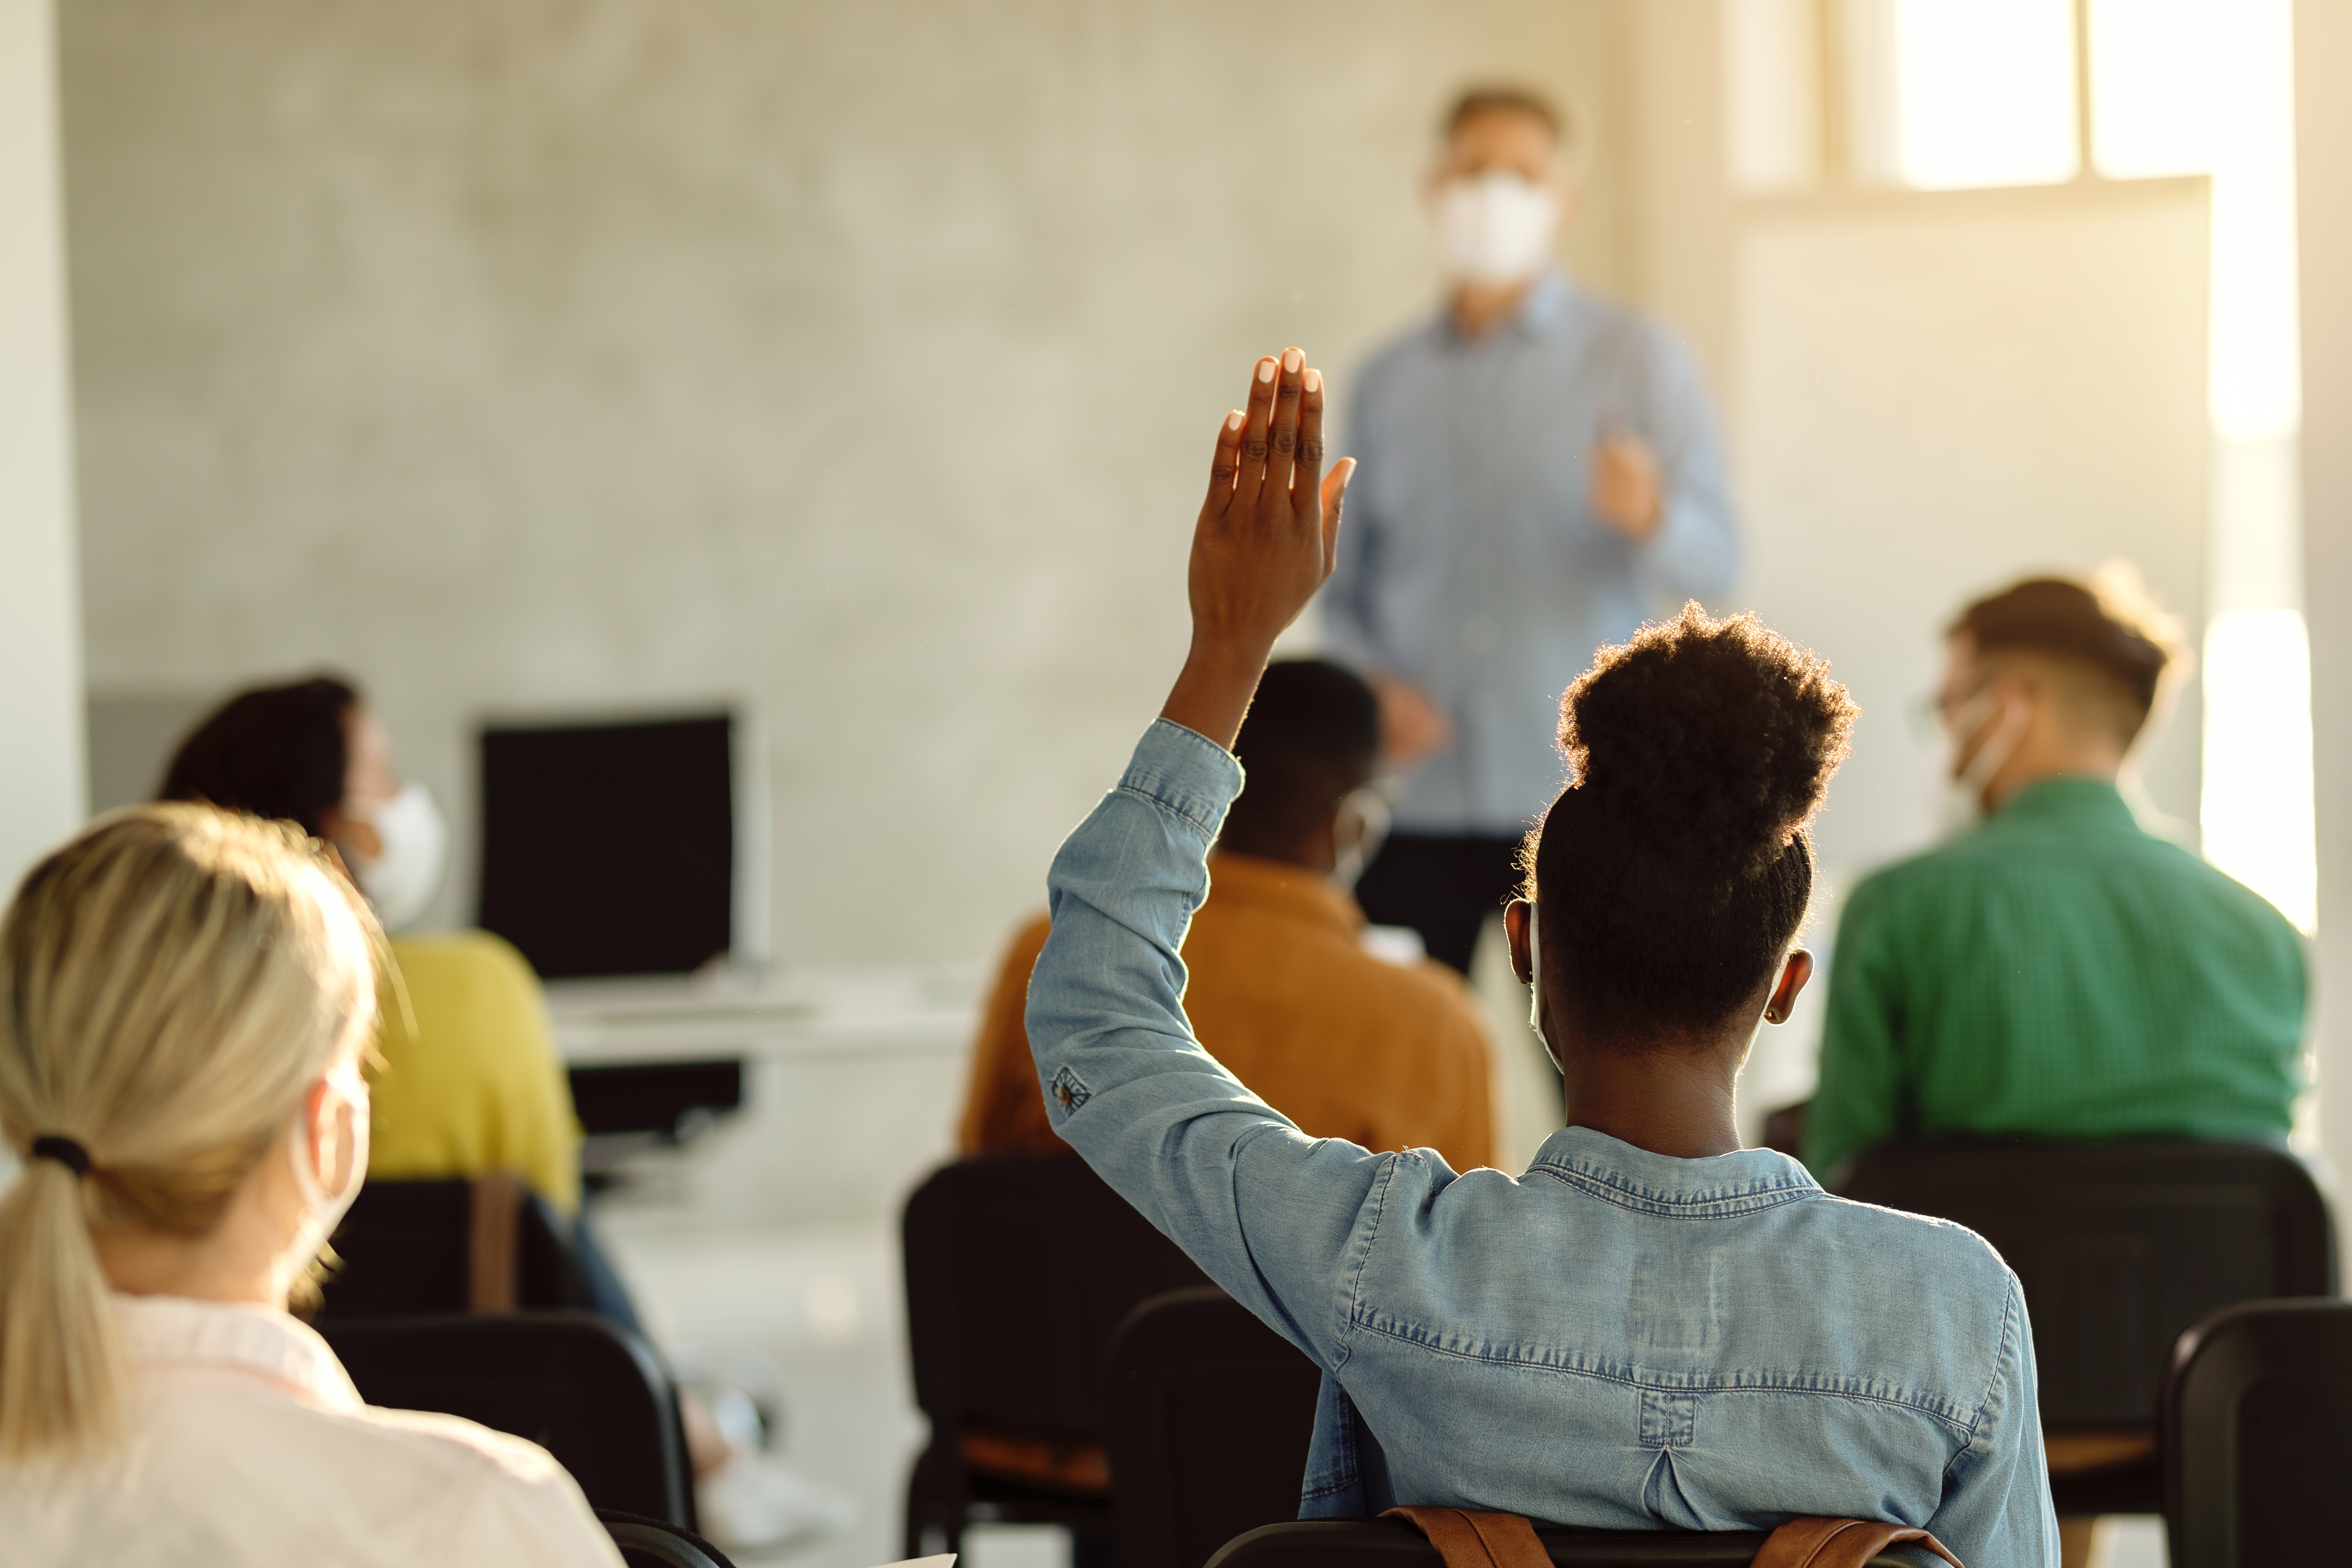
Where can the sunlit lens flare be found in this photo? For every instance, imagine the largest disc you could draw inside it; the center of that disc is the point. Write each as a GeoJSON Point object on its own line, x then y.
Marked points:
{"type": "Point", "coordinates": [2257, 810]}
{"type": "Point", "coordinates": [1985, 92]}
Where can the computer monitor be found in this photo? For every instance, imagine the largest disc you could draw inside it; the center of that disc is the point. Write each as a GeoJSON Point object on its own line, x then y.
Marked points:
{"type": "Point", "coordinates": [610, 850]}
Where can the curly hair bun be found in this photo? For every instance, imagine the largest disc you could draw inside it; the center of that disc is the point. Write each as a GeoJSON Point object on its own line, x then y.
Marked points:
{"type": "Point", "coordinates": [1710, 741]}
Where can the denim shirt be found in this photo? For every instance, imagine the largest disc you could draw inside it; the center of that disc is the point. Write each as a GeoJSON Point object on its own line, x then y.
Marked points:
{"type": "Point", "coordinates": [1473, 562]}
{"type": "Point", "coordinates": [1613, 1339]}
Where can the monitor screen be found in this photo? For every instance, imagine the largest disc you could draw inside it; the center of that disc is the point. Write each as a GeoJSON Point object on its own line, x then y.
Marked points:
{"type": "Point", "coordinates": [610, 848]}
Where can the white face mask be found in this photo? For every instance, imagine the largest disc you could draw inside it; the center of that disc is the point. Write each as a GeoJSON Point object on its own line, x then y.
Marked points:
{"type": "Point", "coordinates": [1494, 228]}
{"type": "Point", "coordinates": [399, 879]}
{"type": "Point", "coordinates": [1964, 794]}
{"type": "Point", "coordinates": [322, 1210]}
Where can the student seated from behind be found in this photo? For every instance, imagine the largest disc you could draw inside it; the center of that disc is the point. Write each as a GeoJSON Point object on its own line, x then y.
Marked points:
{"type": "Point", "coordinates": [185, 995]}
{"type": "Point", "coordinates": [472, 1083]}
{"type": "Point", "coordinates": [1343, 1043]}
{"type": "Point", "coordinates": [1652, 1328]}
{"type": "Point", "coordinates": [2056, 972]}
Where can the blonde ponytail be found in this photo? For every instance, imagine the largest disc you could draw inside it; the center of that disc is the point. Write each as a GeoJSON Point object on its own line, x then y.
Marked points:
{"type": "Point", "coordinates": [171, 982]}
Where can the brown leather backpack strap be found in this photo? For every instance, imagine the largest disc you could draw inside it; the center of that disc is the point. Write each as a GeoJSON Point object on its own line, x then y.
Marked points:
{"type": "Point", "coordinates": [1467, 1538]}
{"type": "Point", "coordinates": [1836, 1543]}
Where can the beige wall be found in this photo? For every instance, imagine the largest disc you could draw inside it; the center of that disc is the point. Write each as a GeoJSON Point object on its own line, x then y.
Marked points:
{"type": "Point", "coordinates": [40, 642]}
{"type": "Point", "coordinates": [855, 362]}
{"type": "Point", "coordinates": [2324, 159]}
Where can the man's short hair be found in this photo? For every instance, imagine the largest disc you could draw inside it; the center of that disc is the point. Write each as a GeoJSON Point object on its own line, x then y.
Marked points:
{"type": "Point", "coordinates": [2057, 619]}
{"type": "Point", "coordinates": [1504, 98]}
{"type": "Point", "coordinates": [1312, 735]}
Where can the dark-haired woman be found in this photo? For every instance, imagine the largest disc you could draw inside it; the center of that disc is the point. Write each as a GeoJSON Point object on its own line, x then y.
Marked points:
{"type": "Point", "coordinates": [1651, 1326]}
{"type": "Point", "coordinates": [475, 1084]}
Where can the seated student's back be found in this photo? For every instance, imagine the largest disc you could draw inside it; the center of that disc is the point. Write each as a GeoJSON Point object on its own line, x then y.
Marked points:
{"type": "Point", "coordinates": [185, 995]}
{"type": "Point", "coordinates": [1347, 1045]}
{"type": "Point", "coordinates": [2055, 970]}
{"type": "Point", "coordinates": [1652, 1328]}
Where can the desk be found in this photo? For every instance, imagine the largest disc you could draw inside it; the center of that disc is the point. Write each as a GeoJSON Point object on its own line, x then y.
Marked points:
{"type": "Point", "coordinates": [852, 1082]}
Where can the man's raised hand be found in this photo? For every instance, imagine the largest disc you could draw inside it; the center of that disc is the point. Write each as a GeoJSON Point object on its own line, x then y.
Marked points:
{"type": "Point", "coordinates": [1263, 546]}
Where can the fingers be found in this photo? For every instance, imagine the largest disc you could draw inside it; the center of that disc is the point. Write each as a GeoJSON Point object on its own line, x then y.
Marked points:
{"type": "Point", "coordinates": [1306, 475]}
{"type": "Point", "coordinates": [1335, 495]}
{"type": "Point", "coordinates": [1255, 430]}
{"type": "Point", "coordinates": [1282, 436]}
{"type": "Point", "coordinates": [1227, 463]}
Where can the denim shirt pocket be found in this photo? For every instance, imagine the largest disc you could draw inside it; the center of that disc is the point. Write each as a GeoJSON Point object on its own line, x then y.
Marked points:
{"type": "Point", "coordinates": [1067, 1090]}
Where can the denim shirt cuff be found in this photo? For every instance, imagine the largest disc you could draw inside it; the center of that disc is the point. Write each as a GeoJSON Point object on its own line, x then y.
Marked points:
{"type": "Point", "coordinates": [1186, 773]}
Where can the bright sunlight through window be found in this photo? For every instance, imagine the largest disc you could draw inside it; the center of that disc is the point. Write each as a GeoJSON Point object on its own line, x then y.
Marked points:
{"type": "Point", "coordinates": [2197, 87]}
{"type": "Point", "coordinates": [2207, 87]}
{"type": "Point", "coordinates": [2257, 809]}
{"type": "Point", "coordinates": [1984, 93]}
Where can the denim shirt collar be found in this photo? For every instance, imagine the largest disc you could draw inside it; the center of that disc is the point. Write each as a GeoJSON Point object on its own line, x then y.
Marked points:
{"type": "Point", "coordinates": [1714, 1188]}
{"type": "Point", "coordinates": [1544, 309]}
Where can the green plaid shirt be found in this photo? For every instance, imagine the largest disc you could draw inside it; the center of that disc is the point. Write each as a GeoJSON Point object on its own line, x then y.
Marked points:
{"type": "Point", "coordinates": [2058, 972]}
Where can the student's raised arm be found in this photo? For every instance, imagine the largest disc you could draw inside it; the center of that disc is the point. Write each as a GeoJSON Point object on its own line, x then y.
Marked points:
{"type": "Point", "coordinates": [1269, 1213]}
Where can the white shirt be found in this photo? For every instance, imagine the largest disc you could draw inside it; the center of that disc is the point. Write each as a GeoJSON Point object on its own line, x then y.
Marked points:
{"type": "Point", "coordinates": [249, 1445]}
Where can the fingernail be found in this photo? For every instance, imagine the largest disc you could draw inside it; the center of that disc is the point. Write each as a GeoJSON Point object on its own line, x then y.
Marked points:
{"type": "Point", "coordinates": [1266, 370]}
{"type": "Point", "coordinates": [1292, 359]}
{"type": "Point", "coordinates": [1234, 420]}
{"type": "Point", "coordinates": [1314, 381]}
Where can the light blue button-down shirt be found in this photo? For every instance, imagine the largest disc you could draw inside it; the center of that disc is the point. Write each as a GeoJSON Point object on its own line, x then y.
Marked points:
{"type": "Point", "coordinates": [1613, 1339]}
{"type": "Point", "coordinates": [1472, 563]}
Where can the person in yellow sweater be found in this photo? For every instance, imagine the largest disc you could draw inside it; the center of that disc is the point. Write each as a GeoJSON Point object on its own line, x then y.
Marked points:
{"type": "Point", "coordinates": [470, 1080]}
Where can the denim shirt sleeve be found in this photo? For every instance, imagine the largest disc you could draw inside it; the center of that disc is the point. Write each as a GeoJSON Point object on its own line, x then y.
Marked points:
{"type": "Point", "coordinates": [1277, 1219]}
{"type": "Point", "coordinates": [1996, 1505]}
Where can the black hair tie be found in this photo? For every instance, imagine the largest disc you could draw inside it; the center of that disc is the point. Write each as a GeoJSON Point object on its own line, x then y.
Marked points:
{"type": "Point", "coordinates": [64, 1151]}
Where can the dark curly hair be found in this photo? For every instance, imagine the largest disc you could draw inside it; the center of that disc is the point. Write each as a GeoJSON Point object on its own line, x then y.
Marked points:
{"type": "Point", "coordinates": [1313, 734]}
{"type": "Point", "coordinates": [1675, 869]}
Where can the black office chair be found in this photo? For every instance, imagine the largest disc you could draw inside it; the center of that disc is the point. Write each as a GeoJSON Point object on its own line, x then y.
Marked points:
{"type": "Point", "coordinates": [650, 1543]}
{"type": "Point", "coordinates": [2120, 1248]}
{"type": "Point", "coordinates": [2257, 1431]}
{"type": "Point", "coordinates": [593, 1395]}
{"type": "Point", "coordinates": [1019, 1269]}
{"type": "Point", "coordinates": [488, 1245]}
{"type": "Point", "coordinates": [1393, 1543]}
{"type": "Point", "coordinates": [1209, 1412]}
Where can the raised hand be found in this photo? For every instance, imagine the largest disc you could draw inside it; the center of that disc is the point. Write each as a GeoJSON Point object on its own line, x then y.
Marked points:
{"type": "Point", "coordinates": [1263, 546]}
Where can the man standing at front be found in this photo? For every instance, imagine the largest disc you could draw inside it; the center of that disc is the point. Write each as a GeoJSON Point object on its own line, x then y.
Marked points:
{"type": "Point", "coordinates": [1540, 472]}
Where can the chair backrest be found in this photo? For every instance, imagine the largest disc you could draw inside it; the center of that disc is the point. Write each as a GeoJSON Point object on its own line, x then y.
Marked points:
{"type": "Point", "coordinates": [593, 1395]}
{"type": "Point", "coordinates": [487, 1245]}
{"type": "Point", "coordinates": [1209, 1412]}
{"type": "Point", "coordinates": [2257, 1435]}
{"type": "Point", "coordinates": [650, 1543]}
{"type": "Point", "coordinates": [1019, 1269]}
{"type": "Point", "coordinates": [2120, 1248]}
{"type": "Point", "coordinates": [1393, 1543]}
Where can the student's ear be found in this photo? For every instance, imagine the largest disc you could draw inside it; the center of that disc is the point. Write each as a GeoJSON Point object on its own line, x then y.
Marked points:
{"type": "Point", "coordinates": [1795, 970]}
{"type": "Point", "coordinates": [1515, 927]}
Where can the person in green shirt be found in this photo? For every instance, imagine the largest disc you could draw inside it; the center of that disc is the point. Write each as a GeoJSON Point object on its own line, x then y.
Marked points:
{"type": "Point", "coordinates": [2056, 970]}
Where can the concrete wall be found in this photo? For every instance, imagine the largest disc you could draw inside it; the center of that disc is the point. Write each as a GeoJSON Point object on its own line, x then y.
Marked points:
{"type": "Point", "coordinates": [857, 364]}
{"type": "Point", "coordinates": [2324, 159]}
{"type": "Point", "coordinates": [41, 789]}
